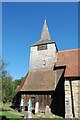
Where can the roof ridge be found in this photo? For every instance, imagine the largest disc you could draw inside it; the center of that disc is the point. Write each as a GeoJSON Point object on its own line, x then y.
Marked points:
{"type": "Point", "coordinates": [70, 50]}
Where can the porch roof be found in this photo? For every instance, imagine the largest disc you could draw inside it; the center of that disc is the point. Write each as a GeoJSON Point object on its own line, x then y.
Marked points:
{"type": "Point", "coordinates": [41, 80]}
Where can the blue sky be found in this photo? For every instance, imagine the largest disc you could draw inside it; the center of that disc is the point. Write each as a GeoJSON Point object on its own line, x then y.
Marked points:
{"type": "Point", "coordinates": [22, 26]}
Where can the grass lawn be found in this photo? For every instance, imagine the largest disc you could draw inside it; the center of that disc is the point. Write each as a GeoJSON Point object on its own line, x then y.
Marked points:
{"type": "Point", "coordinates": [10, 113]}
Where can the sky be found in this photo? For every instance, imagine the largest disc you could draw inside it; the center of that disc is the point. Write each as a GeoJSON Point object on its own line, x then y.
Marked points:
{"type": "Point", "coordinates": [22, 25]}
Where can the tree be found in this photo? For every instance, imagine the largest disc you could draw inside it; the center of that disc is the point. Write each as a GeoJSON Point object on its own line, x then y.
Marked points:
{"type": "Point", "coordinates": [7, 89]}
{"type": "Point", "coordinates": [18, 81]}
{"type": "Point", "coordinates": [7, 83]}
{"type": "Point", "coordinates": [4, 71]}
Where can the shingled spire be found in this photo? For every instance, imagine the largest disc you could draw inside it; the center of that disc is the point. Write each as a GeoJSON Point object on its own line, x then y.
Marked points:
{"type": "Point", "coordinates": [45, 32]}
{"type": "Point", "coordinates": [45, 36]}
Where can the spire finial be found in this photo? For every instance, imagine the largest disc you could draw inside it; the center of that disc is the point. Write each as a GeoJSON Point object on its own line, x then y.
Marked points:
{"type": "Point", "coordinates": [45, 20]}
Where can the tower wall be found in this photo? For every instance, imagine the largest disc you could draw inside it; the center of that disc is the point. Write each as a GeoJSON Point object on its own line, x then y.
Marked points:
{"type": "Point", "coordinates": [43, 59]}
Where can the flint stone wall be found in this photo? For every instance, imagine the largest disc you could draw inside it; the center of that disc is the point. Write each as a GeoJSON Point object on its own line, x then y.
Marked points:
{"type": "Point", "coordinates": [37, 58]}
{"type": "Point", "coordinates": [75, 95]}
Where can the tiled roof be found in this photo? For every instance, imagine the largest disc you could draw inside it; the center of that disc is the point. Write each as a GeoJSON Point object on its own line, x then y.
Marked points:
{"type": "Point", "coordinates": [71, 59]}
{"type": "Point", "coordinates": [41, 80]}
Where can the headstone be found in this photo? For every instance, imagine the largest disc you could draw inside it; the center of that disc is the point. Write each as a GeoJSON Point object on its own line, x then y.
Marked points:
{"type": "Point", "coordinates": [47, 112]}
{"type": "Point", "coordinates": [36, 107]}
{"type": "Point", "coordinates": [25, 114]}
{"type": "Point", "coordinates": [29, 114]}
{"type": "Point", "coordinates": [30, 104]}
{"type": "Point", "coordinates": [21, 104]}
{"type": "Point", "coordinates": [30, 108]}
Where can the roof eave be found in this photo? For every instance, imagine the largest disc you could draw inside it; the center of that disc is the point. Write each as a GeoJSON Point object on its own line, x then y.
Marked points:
{"type": "Point", "coordinates": [36, 44]}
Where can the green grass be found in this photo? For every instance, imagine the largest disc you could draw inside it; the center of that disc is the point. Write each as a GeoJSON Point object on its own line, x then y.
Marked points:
{"type": "Point", "coordinates": [42, 115]}
{"type": "Point", "coordinates": [10, 113]}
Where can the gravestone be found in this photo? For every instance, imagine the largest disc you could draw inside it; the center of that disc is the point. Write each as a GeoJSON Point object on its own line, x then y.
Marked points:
{"type": "Point", "coordinates": [25, 114]}
{"type": "Point", "coordinates": [22, 104]}
{"type": "Point", "coordinates": [36, 107]}
{"type": "Point", "coordinates": [29, 114]}
{"type": "Point", "coordinates": [47, 112]}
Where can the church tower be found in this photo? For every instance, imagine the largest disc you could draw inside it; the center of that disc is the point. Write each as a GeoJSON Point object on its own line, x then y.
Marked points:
{"type": "Point", "coordinates": [43, 54]}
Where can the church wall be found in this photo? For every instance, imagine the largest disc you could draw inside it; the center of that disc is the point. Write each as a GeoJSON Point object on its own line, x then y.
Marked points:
{"type": "Point", "coordinates": [37, 58]}
{"type": "Point", "coordinates": [79, 99]}
{"type": "Point", "coordinates": [72, 98]}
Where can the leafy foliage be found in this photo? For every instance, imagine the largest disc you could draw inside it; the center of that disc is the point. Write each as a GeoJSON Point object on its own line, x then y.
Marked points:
{"type": "Point", "coordinates": [8, 84]}
{"type": "Point", "coordinates": [7, 89]}
{"type": "Point", "coordinates": [18, 81]}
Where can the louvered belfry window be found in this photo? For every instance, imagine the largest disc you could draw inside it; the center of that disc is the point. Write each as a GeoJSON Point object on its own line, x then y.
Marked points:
{"type": "Point", "coordinates": [42, 47]}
